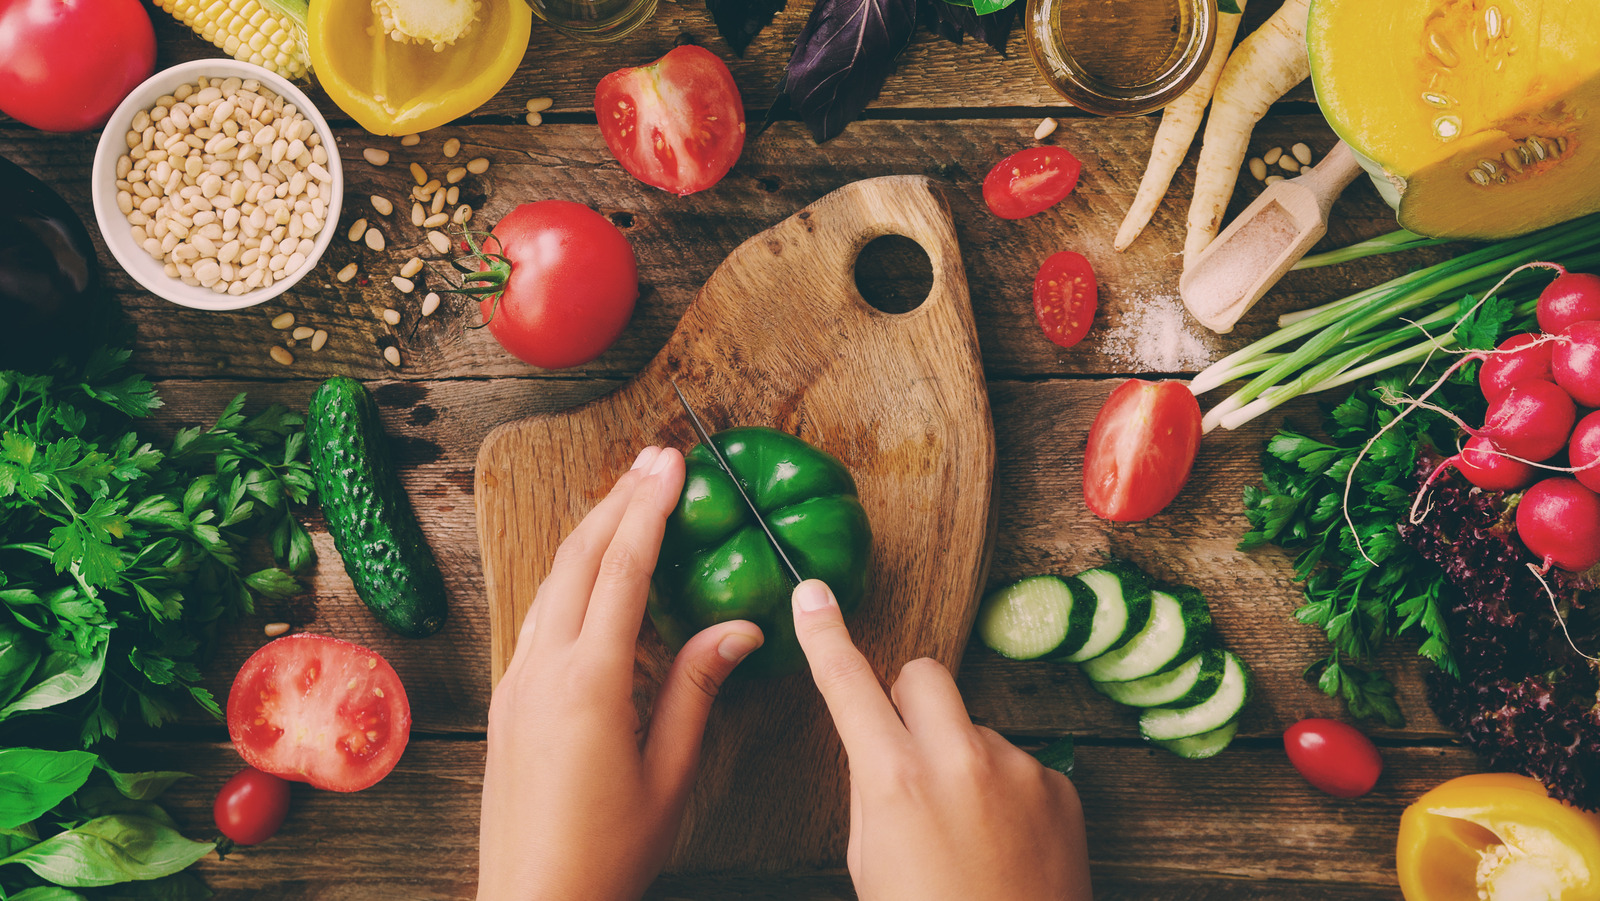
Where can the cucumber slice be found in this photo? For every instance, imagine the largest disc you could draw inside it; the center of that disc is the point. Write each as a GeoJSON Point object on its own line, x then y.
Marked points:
{"type": "Point", "coordinates": [1206, 744]}
{"type": "Point", "coordinates": [1122, 606]}
{"type": "Point", "coordinates": [1180, 622]}
{"type": "Point", "coordinates": [1192, 682]}
{"type": "Point", "coordinates": [1037, 617]}
{"type": "Point", "coordinates": [1165, 724]}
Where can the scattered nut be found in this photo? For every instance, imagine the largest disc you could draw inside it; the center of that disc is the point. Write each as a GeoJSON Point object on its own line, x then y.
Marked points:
{"type": "Point", "coordinates": [451, 148]}
{"type": "Point", "coordinates": [281, 356]}
{"type": "Point", "coordinates": [273, 630]}
{"type": "Point", "coordinates": [282, 321]}
{"type": "Point", "coordinates": [1046, 128]}
{"type": "Point", "coordinates": [374, 239]}
{"type": "Point", "coordinates": [419, 173]}
{"type": "Point", "coordinates": [303, 332]}
{"type": "Point", "coordinates": [430, 303]}
{"type": "Point", "coordinates": [1301, 152]}
{"type": "Point", "coordinates": [436, 220]}
{"type": "Point", "coordinates": [411, 268]}
{"type": "Point", "coordinates": [533, 119]}
{"type": "Point", "coordinates": [410, 140]}
{"type": "Point", "coordinates": [418, 213]}
{"type": "Point", "coordinates": [438, 202]}
{"type": "Point", "coordinates": [463, 215]}
{"type": "Point", "coordinates": [1271, 156]}
{"type": "Point", "coordinates": [1288, 163]}
{"type": "Point", "coordinates": [453, 196]}
{"type": "Point", "coordinates": [376, 157]}
{"type": "Point", "coordinates": [405, 285]}
{"type": "Point", "coordinates": [391, 316]}
{"type": "Point", "coordinates": [382, 205]}
{"type": "Point", "coordinates": [1258, 168]}
{"type": "Point", "coordinates": [357, 229]}
{"type": "Point", "coordinates": [347, 273]}
{"type": "Point", "coordinates": [455, 175]}
{"type": "Point", "coordinates": [391, 355]}
{"type": "Point", "coordinates": [540, 104]}
{"type": "Point", "coordinates": [438, 242]}
{"type": "Point", "coordinates": [319, 339]}
{"type": "Point", "coordinates": [429, 188]}
{"type": "Point", "coordinates": [1274, 179]}
{"type": "Point", "coordinates": [477, 166]}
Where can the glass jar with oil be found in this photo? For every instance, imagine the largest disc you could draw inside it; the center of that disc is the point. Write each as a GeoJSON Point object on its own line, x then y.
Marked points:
{"type": "Point", "coordinates": [1121, 57]}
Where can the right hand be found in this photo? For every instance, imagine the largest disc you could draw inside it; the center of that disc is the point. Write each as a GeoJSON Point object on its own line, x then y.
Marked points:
{"type": "Point", "coordinates": [939, 808]}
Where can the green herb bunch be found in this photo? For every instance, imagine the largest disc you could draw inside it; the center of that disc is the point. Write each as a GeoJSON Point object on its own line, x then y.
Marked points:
{"type": "Point", "coordinates": [118, 558]}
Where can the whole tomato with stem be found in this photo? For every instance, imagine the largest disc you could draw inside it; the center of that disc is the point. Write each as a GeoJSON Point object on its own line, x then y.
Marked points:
{"type": "Point", "coordinates": [556, 283]}
{"type": "Point", "coordinates": [66, 64]}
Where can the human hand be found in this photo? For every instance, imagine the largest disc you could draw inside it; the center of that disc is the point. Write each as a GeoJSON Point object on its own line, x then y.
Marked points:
{"type": "Point", "coordinates": [580, 800]}
{"type": "Point", "coordinates": [939, 808]}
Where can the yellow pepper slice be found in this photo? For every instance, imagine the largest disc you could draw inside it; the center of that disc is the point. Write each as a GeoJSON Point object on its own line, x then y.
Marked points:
{"type": "Point", "coordinates": [1497, 837]}
{"type": "Point", "coordinates": [396, 87]}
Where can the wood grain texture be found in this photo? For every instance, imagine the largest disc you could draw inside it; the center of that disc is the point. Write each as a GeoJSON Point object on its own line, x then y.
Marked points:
{"type": "Point", "coordinates": [780, 338]}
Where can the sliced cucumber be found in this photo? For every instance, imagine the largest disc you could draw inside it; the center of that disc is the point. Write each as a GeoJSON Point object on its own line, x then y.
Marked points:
{"type": "Point", "coordinates": [1224, 704]}
{"type": "Point", "coordinates": [1122, 606]}
{"type": "Point", "coordinates": [1043, 616]}
{"type": "Point", "coordinates": [1193, 681]}
{"type": "Point", "coordinates": [1206, 744]}
{"type": "Point", "coordinates": [1179, 624]}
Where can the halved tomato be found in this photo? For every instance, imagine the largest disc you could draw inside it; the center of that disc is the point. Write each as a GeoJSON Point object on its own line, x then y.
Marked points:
{"type": "Point", "coordinates": [1141, 448]}
{"type": "Point", "coordinates": [309, 708]}
{"type": "Point", "coordinates": [1030, 181]}
{"type": "Point", "coordinates": [1064, 297]}
{"type": "Point", "coordinates": [677, 124]}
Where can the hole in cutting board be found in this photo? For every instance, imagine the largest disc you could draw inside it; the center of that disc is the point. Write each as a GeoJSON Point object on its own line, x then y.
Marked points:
{"type": "Point", "coordinates": [894, 274]}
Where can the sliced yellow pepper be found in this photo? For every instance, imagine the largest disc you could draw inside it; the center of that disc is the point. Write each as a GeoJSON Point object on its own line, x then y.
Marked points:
{"type": "Point", "coordinates": [393, 82]}
{"type": "Point", "coordinates": [1497, 837]}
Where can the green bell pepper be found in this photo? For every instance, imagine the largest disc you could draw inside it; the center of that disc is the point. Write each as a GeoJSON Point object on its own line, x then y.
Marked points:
{"type": "Point", "coordinates": [717, 565]}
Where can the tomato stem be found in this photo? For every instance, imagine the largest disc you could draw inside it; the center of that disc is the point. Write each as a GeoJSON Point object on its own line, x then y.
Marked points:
{"type": "Point", "coordinates": [491, 282]}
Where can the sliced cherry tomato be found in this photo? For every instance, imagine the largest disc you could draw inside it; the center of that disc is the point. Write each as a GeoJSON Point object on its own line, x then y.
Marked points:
{"type": "Point", "coordinates": [1030, 181]}
{"type": "Point", "coordinates": [1064, 297]}
{"type": "Point", "coordinates": [677, 124]}
{"type": "Point", "coordinates": [66, 64]}
{"type": "Point", "coordinates": [251, 806]}
{"type": "Point", "coordinates": [315, 709]}
{"type": "Point", "coordinates": [1141, 448]}
{"type": "Point", "coordinates": [1333, 756]}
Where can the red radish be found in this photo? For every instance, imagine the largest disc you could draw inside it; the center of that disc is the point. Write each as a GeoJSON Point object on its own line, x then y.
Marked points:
{"type": "Point", "coordinates": [1559, 521]}
{"type": "Point", "coordinates": [1486, 467]}
{"type": "Point", "coordinates": [1572, 297]}
{"type": "Point", "coordinates": [1508, 366]}
{"type": "Point", "coordinates": [1576, 362]}
{"type": "Point", "coordinates": [1584, 451]}
{"type": "Point", "coordinates": [1531, 421]}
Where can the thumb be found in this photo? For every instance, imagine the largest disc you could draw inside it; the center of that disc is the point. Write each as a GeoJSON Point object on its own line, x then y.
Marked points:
{"type": "Point", "coordinates": [678, 720]}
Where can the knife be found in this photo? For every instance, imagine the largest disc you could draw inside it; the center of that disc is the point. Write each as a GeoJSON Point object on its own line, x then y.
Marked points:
{"type": "Point", "coordinates": [722, 463]}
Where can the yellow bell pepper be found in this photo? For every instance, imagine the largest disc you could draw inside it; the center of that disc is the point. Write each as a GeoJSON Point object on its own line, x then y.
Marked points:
{"type": "Point", "coordinates": [1497, 837]}
{"type": "Point", "coordinates": [405, 66]}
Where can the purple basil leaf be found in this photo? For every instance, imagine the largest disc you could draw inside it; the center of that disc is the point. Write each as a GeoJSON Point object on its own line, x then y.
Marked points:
{"type": "Point", "coordinates": [953, 22]}
{"type": "Point", "coordinates": [842, 58]}
{"type": "Point", "coordinates": [740, 21]}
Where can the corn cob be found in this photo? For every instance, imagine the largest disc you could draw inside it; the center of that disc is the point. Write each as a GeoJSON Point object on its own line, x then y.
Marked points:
{"type": "Point", "coordinates": [269, 33]}
{"type": "Point", "coordinates": [437, 22]}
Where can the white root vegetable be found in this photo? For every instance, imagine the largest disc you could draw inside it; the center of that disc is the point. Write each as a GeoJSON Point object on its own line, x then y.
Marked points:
{"type": "Point", "coordinates": [1179, 122]}
{"type": "Point", "coordinates": [1265, 66]}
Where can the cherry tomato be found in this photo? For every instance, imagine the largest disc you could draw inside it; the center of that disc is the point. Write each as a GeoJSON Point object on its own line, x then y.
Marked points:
{"type": "Point", "coordinates": [1030, 181]}
{"type": "Point", "coordinates": [677, 124]}
{"type": "Point", "coordinates": [1141, 448]}
{"type": "Point", "coordinates": [568, 288]}
{"type": "Point", "coordinates": [1064, 296]}
{"type": "Point", "coordinates": [251, 806]}
{"type": "Point", "coordinates": [1333, 757]}
{"type": "Point", "coordinates": [66, 64]}
{"type": "Point", "coordinates": [315, 709]}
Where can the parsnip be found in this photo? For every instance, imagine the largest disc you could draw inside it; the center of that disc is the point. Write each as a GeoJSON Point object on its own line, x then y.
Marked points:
{"type": "Point", "coordinates": [1179, 122]}
{"type": "Point", "coordinates": [1265, 66]}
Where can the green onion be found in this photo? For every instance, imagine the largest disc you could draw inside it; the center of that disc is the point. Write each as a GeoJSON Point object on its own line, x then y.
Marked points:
{"type": "Point", "coordinates": [1393, 242]}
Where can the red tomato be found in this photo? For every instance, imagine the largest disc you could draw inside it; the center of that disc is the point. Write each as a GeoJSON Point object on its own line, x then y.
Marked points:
{"type": "Point", "coordinates": [1141, 447]}
{"type": "Point", "coordinates": [66, 64]}
{"type": "Point", "coordinates": [251, 806]}
{"type": "Point", "coordinates": [1030, 181]}
{"type": "Point", "coordinates": [569, 278]}
{"type": "Point", "coordinates": [315, 709]}
{"type": "Point", "coordinates": [1333, 757]}
{"type": "Point", "coordinates": [677, 124]}
{"type": "Point", "coordinates": [1064, 295]}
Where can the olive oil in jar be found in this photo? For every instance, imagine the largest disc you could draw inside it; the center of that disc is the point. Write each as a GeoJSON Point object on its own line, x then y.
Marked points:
{"type": "Point", "coordinates": [1121, 57]}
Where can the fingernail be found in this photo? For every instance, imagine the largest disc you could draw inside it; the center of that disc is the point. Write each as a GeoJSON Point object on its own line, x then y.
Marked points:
{"type": "Point", "coordinates": [812, 596]}
{"type": "Point", "coordinates": [663, 459]}
{"type": "Point", "coordinates": [737, 646]}
{"type": "Point", "coordinates": [645, 456]}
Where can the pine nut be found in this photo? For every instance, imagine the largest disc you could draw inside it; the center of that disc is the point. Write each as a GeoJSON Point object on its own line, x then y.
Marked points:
{"type": "Point", "coordinates": [273, 630]}
{"type": "Point", "coordinates": [374, 239]}
{"type": "Point", "coordinates": [1301, 152]}
{"type": "Point", "coordinates": [391, 316]}
{"type": "Point", "coordinates": [303, 332]}
{"type": "Point", "coordinates": [347, 273]}
{"type": "Point", "coordinates": [1288, 163]}
{"type": "Point", "coordinates": [455, 175]}
{"type": "Point", "coordinates": [539, 104]}
{"type": "Point", "coordinates": [1258, 168]}
{"type": "Point", "coordinates": [382, 205]}
{"type": "Point", "coordinates": [477, 166]}
{"type": "Point", "coordinates": [463, 215]}
{"type": "Point", "coordinates": [318, 339]}
{"type": "Point", "coordinates": [419, 173]}
{"type": "Point", "coordinates": [357, 229]}
{"type": "Point", "coordinates": [1046, 128]}
{"type": "Point", "coordinates": [438, 202]}
{"type": "Point", "coordinates": [430, 303]}
{"type": "Point", "coordinates": [375, 156]}
{"type": "Point", "coordinates": [453, 196]}
{"type": "Point", "coordinates": [1273, 179]}
{"type": "Point", "coordinates": [405, 285]}
{"type": "Point", "coordinates": [411, 268]}
{"type": "Point", "coordinates": [436, 220]}
{"type": "Point", "coordinates": [1271, 156]}
{"type": "Point", "coordinates": [418, 213]}
{"type": "Point", "coordinates": [451, 148]}
{"type": "Point", "coordinates": [410, 140]}
{"type": "Point", "coordinates": [533, 119]}
{"type": "Point", "coordinates": [281, 356]}
{"type": "Point", "coordinates": [438, 242]}
{"type": "Point", "coordinates": [283, 321]}
{"type": "Point", "coordinates": [391, 355]}
{"type": "Point", "coordinates": [429, 188]}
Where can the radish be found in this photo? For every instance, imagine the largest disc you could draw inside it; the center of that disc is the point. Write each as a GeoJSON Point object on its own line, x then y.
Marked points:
{"type": "Point", "coordinates": [1508, 365]}
{"type": "Point", "coordinates": [1572, 297]}
{"type": "Point", "coordinates": [1575, 363]}
{"type": "Point", "coordinates": [1532, 420]}
{"type": "Point", "coordinates": [1584, 451]}
{"type": "Point", "coordinates": [1485, 466]}
{"type": "Point", "coordinates": [1559, 521]}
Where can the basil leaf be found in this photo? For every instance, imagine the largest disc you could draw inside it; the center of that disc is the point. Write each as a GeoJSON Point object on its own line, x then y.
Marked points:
{"type": "Point", "coordinates": [111, 849]}
{"type": "Point", "coordinates": [68, 676]}
{"type": "Point", "coordinates": [739, 21]}
{"type": "Point", "coordinates": [954, 21]}
{"type": "Point", "coordinates": [185, 886]}
{"type": "Point", "coordinates": [47, 893]}
{"type": "Point", "coordinates": [142, 786]}
{"type": "Point", "coordinates": [842, 58]}
{"type": "Point", "coordinates": [33, 781]}
{"type": "Point", "coordinates": [985, 7]}
{"type": "Point", "coordinates": [18, 656]}
{"type": "Point", "coordinates": [1229, 6]}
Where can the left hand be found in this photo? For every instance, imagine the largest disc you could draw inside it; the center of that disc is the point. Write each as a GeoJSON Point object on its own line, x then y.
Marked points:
{"type": "Point", "coordinates": [580, 799]}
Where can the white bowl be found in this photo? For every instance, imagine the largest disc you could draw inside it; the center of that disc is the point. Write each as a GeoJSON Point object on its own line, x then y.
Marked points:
{"type": "Point", "coordinates": [114, 226]}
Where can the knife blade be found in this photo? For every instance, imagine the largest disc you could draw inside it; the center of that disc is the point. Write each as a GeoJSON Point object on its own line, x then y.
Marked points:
{"type": "Point", "coordinates": [722, 462]}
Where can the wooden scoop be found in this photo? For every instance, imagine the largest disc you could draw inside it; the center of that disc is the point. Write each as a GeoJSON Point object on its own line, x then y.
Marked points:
{"type": "Point", "coordinates": [1267, 239]}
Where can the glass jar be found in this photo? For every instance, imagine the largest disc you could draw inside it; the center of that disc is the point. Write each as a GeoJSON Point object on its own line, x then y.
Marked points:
{"type": "Point", "coordinates": [594, 20]}
{"type": "Point", "coordinates": [1121, 57]}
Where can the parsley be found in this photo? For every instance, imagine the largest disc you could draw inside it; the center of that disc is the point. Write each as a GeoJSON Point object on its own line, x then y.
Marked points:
{"type": "Point", "coordinates": [119, 558]}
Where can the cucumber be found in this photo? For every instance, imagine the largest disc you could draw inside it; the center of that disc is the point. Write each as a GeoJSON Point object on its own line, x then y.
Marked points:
{"type": "Point", "coordinates": [368, 513]}
{"type": "Point", "coordinates": [1060, 755]}
{"type": "Point", "coordinates": [1122, 606]}
{"type": "Point", "coordinates": [1043, 616]}
{"type": "Point", "coordinates": [1206, 744]}
{"type": "Point", "coordinates": [1193, 681]}
{"type": "Point", "coordinates": [1179, 625]}
{"type": "Point", "coordinates": [1224, 704]}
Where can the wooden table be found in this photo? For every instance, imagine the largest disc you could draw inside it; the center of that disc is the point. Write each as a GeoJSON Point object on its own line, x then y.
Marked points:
{"type": "Point", "coordinates": [1240, 827]}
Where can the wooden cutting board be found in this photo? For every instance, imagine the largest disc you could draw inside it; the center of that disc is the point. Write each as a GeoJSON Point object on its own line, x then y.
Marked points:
{"type": "Point", "coordinates": [780, 337]}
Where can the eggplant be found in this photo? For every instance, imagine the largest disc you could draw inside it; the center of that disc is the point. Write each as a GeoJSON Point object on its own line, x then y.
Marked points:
{"type": "Point", "coordinates": [51, 302]}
